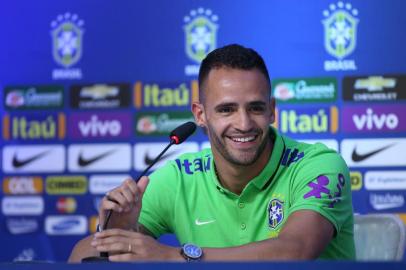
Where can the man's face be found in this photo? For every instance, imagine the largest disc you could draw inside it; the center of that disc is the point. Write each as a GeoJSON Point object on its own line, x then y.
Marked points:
{"type": "Point", "coordinates": [236, 113]}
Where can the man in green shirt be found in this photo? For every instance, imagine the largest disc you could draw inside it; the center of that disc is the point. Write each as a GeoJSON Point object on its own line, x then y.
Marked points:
{"type": "Point", "coordinates": [256, 195]}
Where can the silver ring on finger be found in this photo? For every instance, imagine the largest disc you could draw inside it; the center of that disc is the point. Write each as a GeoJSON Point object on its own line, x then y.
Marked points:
{"type": "Point", "coordinates": [129, 248]}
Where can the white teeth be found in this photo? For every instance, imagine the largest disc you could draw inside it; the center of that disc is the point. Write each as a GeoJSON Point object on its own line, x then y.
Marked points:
{"type": "Point", "coordinates": [247, 139]}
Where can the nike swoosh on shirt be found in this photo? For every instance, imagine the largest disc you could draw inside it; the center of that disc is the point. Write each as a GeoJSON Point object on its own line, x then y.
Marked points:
{"type": "Point", "coordinates": [200, 223]}
{"type": "Point", "coordinates": [360, 157]}
{"type": "Point", "coordinates": [86, 162]}
{"type": "Point", "coordinates": [148, 160]}
{"type": "Point", "coordinates": [18, 163]}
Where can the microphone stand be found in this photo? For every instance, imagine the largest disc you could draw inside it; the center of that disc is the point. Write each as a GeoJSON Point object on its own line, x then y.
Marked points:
{"type": "Point", "coordinates": [104, 256]}
{"type": "Point", "coordinates": [177, 136]}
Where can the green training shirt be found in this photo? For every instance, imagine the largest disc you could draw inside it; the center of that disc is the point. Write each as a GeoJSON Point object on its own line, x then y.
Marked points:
{"type": "Point", "coordinates": [185, 198]}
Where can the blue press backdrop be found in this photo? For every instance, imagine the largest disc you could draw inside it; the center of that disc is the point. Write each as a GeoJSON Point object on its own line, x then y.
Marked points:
{"type": "Point", "coordinates": [119, 74]}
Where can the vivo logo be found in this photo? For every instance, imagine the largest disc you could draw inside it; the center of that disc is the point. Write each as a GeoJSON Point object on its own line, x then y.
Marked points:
{"type": "Point", "coordinates": [95, 127]}
{"type": "Point", "coordinates": [382, 118]}
{"type": "Point", "coordinates": [371, 120]}
{"type": "Point", "coordinates": [100, 125]}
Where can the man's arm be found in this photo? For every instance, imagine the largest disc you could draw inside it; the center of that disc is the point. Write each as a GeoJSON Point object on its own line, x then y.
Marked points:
{"type": "Point", "coordinates": [304, 236]}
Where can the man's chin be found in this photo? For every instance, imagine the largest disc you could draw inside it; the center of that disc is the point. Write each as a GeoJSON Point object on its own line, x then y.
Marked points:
{"type": "Point", "coordinates": [244, 160]}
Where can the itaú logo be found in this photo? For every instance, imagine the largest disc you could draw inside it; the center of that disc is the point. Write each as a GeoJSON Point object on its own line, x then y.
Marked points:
{"type": "Point", "coordinates": [312, 120]}
{"type": "Point", "coordinates": [154, 95]}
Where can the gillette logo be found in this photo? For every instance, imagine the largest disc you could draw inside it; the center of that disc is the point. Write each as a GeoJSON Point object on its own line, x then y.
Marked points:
{"type": "Point", "coordinates": [386, 201]}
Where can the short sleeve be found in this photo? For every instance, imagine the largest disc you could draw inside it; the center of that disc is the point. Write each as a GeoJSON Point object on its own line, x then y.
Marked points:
{"type": "Point", "coordinates": [322, 184]}
{"type": "Point", "coordinates": [158, 202]}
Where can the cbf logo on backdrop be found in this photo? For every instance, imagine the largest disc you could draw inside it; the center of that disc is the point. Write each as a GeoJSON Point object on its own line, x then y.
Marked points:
{"type": "Point", "coordinates": [340, 35]}
{"type": "Point", "coordinates": [200, 36]}
{"type": "Point", "coordinates": [67, 40]}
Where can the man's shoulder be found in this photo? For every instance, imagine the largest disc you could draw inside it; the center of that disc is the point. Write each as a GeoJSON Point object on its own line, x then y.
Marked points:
{"type": "Point", "coordinates": [315, 154]}
{"type": "Point", "coordinates": [314, 148]}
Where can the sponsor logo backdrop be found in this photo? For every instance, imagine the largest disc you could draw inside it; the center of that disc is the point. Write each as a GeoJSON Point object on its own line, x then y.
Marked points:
{"type": "Point", "coordinates": [88, 101]}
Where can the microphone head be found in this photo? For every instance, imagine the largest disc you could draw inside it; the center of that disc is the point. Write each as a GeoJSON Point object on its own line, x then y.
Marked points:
{"type": "Point", "coordinates": [182, 132]}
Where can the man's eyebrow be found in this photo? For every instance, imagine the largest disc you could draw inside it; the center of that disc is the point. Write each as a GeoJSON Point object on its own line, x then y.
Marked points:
{"type": "Point", "coordinates": [257, 103]}
{"type": "Point", "coordinates": [226, 104]}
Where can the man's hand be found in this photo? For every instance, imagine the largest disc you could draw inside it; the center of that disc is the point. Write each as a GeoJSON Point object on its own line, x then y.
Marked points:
{"type": "Point", "coordinates": [125, 201]}
{"type": "Point", "coordinates": [123, 245]}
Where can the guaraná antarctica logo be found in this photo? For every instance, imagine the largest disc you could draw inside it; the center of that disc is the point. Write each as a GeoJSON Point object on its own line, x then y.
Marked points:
{"type": "Point", "coordinates": [200, 36]}
{"type": "Point", "coordinates": [67, 41]}
{"type": "Point", "coordinates": [340, 35]}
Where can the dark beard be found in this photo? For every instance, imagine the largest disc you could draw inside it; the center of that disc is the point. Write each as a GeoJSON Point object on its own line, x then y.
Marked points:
{"type": "Point", "coordinates": [217, 143]}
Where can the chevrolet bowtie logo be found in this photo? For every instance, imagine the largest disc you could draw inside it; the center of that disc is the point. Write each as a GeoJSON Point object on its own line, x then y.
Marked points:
{"type": "Point", "coordinates": [375, 83]}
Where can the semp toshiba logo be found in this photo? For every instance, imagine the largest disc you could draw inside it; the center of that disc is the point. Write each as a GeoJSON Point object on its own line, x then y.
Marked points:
{"type": "Point", "coordinates": [385, 180]}
{"type": "Point", "coordinates": [22, 206]}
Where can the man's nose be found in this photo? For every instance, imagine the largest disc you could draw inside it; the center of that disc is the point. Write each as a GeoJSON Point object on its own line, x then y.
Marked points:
{"type": "Point", "coordinates": [243, 121]}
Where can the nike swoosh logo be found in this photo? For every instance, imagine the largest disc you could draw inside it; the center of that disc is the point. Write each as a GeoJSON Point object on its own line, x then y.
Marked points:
{"type": "Point", "coordinates": [148, 160]}
{"type": "Point", "coordinates": [86, 162]}
{"type": "Point", "coordinates": [200, 223]}
{"type": "Point", "coordinates": [18, 163]}
{"type": "Point", "coordinates": [360, 157]}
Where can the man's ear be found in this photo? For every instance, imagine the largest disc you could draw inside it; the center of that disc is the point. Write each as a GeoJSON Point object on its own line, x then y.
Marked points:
{"type": "Point", "coordinates": [199, 114]}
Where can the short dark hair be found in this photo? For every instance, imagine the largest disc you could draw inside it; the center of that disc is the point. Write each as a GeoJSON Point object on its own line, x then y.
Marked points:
{"type": "Point", "coordinates": [231, 56]}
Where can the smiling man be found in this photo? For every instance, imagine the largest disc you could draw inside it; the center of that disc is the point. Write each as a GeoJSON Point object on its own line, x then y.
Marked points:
{"type": "Point", "coordinates": [255, 195]}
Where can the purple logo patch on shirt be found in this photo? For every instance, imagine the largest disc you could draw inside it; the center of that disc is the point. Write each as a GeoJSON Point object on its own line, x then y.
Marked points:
{"type": "Point", "coordinates": [319, 186]}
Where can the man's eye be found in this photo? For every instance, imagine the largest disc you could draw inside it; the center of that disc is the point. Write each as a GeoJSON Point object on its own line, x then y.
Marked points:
{"type": "Point", "coordinates": [257, 108]}
{"type": "Point", "coordinates": [225, 110]}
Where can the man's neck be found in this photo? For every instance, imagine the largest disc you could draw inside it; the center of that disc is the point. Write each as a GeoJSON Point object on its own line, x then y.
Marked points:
{"type": "Point", "coordinates": [236, 177]}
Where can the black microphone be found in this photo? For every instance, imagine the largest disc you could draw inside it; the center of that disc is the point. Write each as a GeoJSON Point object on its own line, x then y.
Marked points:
{"type": "Point", "coordinates": [177, 136]}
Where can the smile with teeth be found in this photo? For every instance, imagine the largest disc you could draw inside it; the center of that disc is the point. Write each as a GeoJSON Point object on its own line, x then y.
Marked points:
{"type": "Point", "coordinates": [244, 139]}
